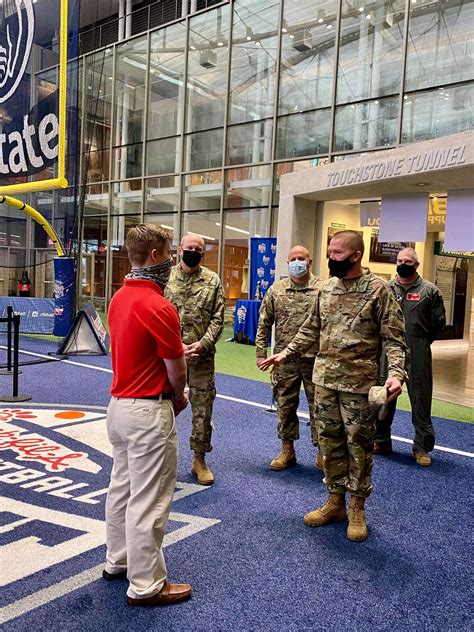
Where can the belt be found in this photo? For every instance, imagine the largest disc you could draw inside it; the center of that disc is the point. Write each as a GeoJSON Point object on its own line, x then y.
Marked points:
{"type": "Point", "coordinates": [161, 396]}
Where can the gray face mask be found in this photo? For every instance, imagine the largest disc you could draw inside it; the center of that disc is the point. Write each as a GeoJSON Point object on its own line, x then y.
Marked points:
{"type": "Point", "coordinates": [159, 273]}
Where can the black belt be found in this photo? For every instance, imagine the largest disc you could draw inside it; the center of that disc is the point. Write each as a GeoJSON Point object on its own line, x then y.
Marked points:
{"type": "Point", "coordinates": [162, 396]}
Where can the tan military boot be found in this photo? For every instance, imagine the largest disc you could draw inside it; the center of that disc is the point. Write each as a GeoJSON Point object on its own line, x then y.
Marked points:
{"type": "Point", "coordinates": [333, 510]}
{"type": "Point", "coordinates": [422, 458]}
{"type": "Point", "coordinates": [286, 457]}
{"type": "Point", "coordinates": [357, 529]}
{"type": "Point", "coordinates": [200, 470]}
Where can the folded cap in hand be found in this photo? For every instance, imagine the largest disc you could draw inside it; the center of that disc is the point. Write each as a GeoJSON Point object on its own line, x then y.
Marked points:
{"type": "Point", "coordinates": [378, 396]}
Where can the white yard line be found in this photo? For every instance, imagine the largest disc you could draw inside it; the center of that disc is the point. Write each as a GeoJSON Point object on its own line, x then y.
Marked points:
{"type": "Point", "coordinates": [249, 403]}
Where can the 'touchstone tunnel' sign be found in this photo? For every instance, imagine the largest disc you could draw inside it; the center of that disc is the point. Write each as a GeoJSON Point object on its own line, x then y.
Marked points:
{"type": "Point", "coordinates": [400, 166]}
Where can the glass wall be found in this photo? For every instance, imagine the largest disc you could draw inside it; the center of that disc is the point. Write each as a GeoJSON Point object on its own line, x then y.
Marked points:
{"type": "Point", "coordinates": [192, 125]}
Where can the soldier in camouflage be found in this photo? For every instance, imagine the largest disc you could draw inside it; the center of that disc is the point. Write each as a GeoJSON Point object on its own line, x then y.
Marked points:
{"type": "Point", "coordinates": [197, 294]}
{"type": "Point", "coordinates": [286, 305]}
{"type": "Point", "coordinates": [353, 314]}
{"type": "Point", "coordinates": [425, 317]}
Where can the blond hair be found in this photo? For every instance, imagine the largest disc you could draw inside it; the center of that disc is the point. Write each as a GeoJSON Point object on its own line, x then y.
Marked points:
{"type": "Point", "coordinates": [142, 239]}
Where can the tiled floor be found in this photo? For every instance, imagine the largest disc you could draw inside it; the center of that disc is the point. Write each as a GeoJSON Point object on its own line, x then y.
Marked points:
{"type": "Point", "coordinates": [453, 373]}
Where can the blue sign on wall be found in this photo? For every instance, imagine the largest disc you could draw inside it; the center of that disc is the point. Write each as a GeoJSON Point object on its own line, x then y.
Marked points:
{"type": "Point", "coordinates": [36, 314]}
{"type": "Point", "coordinates": [262, 265]}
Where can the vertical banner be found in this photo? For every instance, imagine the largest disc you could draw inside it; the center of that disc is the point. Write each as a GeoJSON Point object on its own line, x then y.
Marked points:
{"type": "Point", "coordinates": [403, 217]}
{"type": "Point", "coordinates": [262, 265]}
{"type": "Point", "coordinates": [64, 294]}
{"type": "Point", "coordinates": [459, 234]}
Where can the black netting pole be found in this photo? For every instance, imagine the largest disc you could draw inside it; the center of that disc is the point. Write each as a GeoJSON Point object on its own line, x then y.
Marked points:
{"type": "Point", "coordinates": [9, 338]}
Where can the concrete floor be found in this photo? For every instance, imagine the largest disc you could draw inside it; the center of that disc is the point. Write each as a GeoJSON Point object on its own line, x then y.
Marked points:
{"type": "Point", "coordinates": [453, 371]}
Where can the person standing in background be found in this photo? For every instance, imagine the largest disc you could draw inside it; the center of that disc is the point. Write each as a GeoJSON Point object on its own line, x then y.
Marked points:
{"type": "Point", "coordinates": [286, 305]}
{"type": "Point", "coordinates": [198, 296]}
{"type": "Point", "coordinates": [425, 318]}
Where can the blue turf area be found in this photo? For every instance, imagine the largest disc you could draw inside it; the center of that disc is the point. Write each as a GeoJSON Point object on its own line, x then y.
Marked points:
{"type": "Point", "coordinates": [259, 567]}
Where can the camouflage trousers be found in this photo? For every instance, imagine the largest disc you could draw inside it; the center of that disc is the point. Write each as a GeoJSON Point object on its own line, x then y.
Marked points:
{"type": "Point", "coordinates": [346, 433]}
{"type": "Point", "coordinates": [202, 393]}
{"type": "Point", "coordinates": [286, 381]}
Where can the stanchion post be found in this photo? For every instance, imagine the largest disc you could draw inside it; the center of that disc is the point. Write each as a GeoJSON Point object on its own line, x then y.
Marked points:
{"type": "Point", "coordinates": [8, 370]}
{"type": "Point", "coordinates": [15, 397]}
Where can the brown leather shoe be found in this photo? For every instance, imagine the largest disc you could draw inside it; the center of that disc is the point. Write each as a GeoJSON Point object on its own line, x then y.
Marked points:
{"type": "Point", "coordinates": [169, 594]}
{"type": "Point", "coordinates": [385, 447]}
{"type": "Point", "coordinates": [422, 458]}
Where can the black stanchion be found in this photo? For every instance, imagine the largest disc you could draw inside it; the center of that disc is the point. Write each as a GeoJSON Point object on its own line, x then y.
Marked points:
{"type": "Point", "coordinates": [15, 397]}
{"type": "Point", "coordinates": [8, 370]}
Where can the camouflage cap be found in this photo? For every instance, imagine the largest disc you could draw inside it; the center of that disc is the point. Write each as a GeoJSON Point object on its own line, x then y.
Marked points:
{"type": "Point", "coordinates": [378, 399]}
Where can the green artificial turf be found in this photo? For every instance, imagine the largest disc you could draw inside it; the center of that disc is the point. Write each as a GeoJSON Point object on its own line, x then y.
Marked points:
{"type": "Point", "coordinates": [239, 360]}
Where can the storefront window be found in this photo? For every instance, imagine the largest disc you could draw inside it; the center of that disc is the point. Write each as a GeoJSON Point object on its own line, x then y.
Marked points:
{"type": "Point", "coordinates": [371, 48]}
{"type": "Point", "coordinates": [204, 149]}
{"type": "Point", "coordinates": [307, 55]}
{"type": "Point", "coordinates": [130, 77]}
{"type": "Point", "coordinates": [127, 198]}
{"type": "Point", "coordinates": [162, 195]}
{"type": "Point", "coordinates": [250, 143]}
{"type": "Point", "coordinates": [248, 187]}
{"type": "Point", "coordinates": [98, 115]}
{"type": "Point", "coordinates": [163, 156]}
{"type": "Point", "coordinates": [437, 113]}
{"type": "Point", "coordinates": [289, 167]}
{"type": "Point", "coordinates": [166, 90]}
{"type": "Point", "coordinates": [254, 47]}
{"type": "Point", "coordinates": [440, 49]}
{"type": "Point", "coordinates": [207, 69]}
{"type": "Point", "coordinates": [303, 134]}
{"type": "Point", "coordinates": [203, 190]}
{"type": "Point", "coordinates": [364, 125]}
{"type": "Point", "coordinates": [96, 199]}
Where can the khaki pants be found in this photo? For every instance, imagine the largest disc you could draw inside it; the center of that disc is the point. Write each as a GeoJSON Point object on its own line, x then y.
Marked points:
{"type": "Point", "coordinates": [145, 451]}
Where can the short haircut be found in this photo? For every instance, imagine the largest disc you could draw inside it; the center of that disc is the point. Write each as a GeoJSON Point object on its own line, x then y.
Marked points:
{"type": "Point", "coordinates": [411, 253]}
{"type": "Point", "coordinates": [194, 236]}
{"type": "Point", "coordinates": [353, 238]}
{"type": "Point", "coordinates": [142, 239]}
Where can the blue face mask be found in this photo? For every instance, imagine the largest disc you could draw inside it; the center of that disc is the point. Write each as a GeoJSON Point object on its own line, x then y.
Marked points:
{"type": "Point", "coordinates": [298, 268]}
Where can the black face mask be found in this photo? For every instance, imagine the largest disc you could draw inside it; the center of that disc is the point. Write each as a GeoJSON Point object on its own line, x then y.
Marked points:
{"type": "Point", "coordinates": [404, 270]}
{"type": "Point", "coordinates": [340, 268]}
{"type": "Point", "coordinates": [191, 258]}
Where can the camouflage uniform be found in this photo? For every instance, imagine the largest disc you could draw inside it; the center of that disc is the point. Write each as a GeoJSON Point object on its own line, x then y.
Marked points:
{"type": "Point", "coordinates": [348, 322]}
{"type": "Point", "coordinates": [425, 317]}
{"type": "Point", "coordinates": [287, 304]}
{"type": "Point", "coordinates": [200, 302]}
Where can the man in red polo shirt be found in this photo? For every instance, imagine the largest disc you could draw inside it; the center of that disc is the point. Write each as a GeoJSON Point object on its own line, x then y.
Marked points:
{"type": "Point", "coordinates": [147, 392]}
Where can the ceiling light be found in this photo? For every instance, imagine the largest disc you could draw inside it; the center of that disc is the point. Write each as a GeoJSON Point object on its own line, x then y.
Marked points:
{"type": "Point", "coordinates": [257, 43]}
{"type": "Point", "coordinates": [329, 26]}
{"type": "Point", "coordinates": [248, 33]}
{"type": "Point", "coordinates": [284, 30]}
{"type": "Point", "coordinates": [361, 9]}
{"type": "Point", "coordinates": [220, 43]}
{"type": "Point", "coordinates": [320, 20]}
{"type": "Point", "coordinates": [321, 15]}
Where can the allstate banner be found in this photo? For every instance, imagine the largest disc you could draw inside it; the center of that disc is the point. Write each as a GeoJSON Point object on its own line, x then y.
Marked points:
{"type": "Point", "coordinates": [262, 265]}
{"type": "Point", "coordinates": [38, 93]}
{"type": "Point", "coordinates": [36, 314]}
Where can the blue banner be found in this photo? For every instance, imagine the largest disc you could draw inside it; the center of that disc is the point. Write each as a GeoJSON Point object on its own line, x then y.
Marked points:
{"type": "Point", "coordinates": [262, 265]}
{"type": "Point", "coordinates": [36, 314]}
{"type": "Point", "coordinates": [64, 294]}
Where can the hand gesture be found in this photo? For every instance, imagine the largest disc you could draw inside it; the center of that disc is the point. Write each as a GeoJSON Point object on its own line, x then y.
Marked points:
{"type": "Point", "coordinates": [260, 361]}
{"type": "Point", "coordinates": [193, 350]}
{"type": "Point", "coordinates": [180, 404]}
{"type": "Point", "coordinates": [394, 388]}
{"type": "Point", "coordinates": [276, 359]}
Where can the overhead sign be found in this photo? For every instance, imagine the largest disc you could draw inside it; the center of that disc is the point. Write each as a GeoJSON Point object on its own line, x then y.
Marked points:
{"type": "Point", "coordinates": [400, 166]}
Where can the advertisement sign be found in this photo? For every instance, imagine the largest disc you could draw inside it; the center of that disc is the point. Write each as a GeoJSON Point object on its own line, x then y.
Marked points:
{"type": "Point", "coordinates": [386, 251]}
{"type": "Point", "coordinates": [36, 314]}
{"type": "Point", "coordinates": [262, 265]}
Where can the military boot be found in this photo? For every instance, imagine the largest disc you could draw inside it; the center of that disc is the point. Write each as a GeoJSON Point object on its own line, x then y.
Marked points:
{"type": "Point", "coordinates": [357, 529]}
{"type": "Point", "coordinates": [200, 470]}
{"type": "Point", "coordinates": [333, 510]}
{"type": "Point", "coordinates": [286, 457]}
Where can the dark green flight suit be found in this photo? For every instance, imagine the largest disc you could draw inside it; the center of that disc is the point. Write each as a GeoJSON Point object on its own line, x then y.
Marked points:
{"type": "Point", "coordinates": [425, 317]}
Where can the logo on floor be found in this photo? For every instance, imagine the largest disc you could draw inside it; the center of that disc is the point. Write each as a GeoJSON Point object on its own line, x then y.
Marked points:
{"type": "Point", "coordinates": [54, 470]}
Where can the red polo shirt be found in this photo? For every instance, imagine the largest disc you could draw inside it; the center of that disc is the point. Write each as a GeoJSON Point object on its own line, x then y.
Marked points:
{"type": "Point", "coordinates": [144, 329]}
